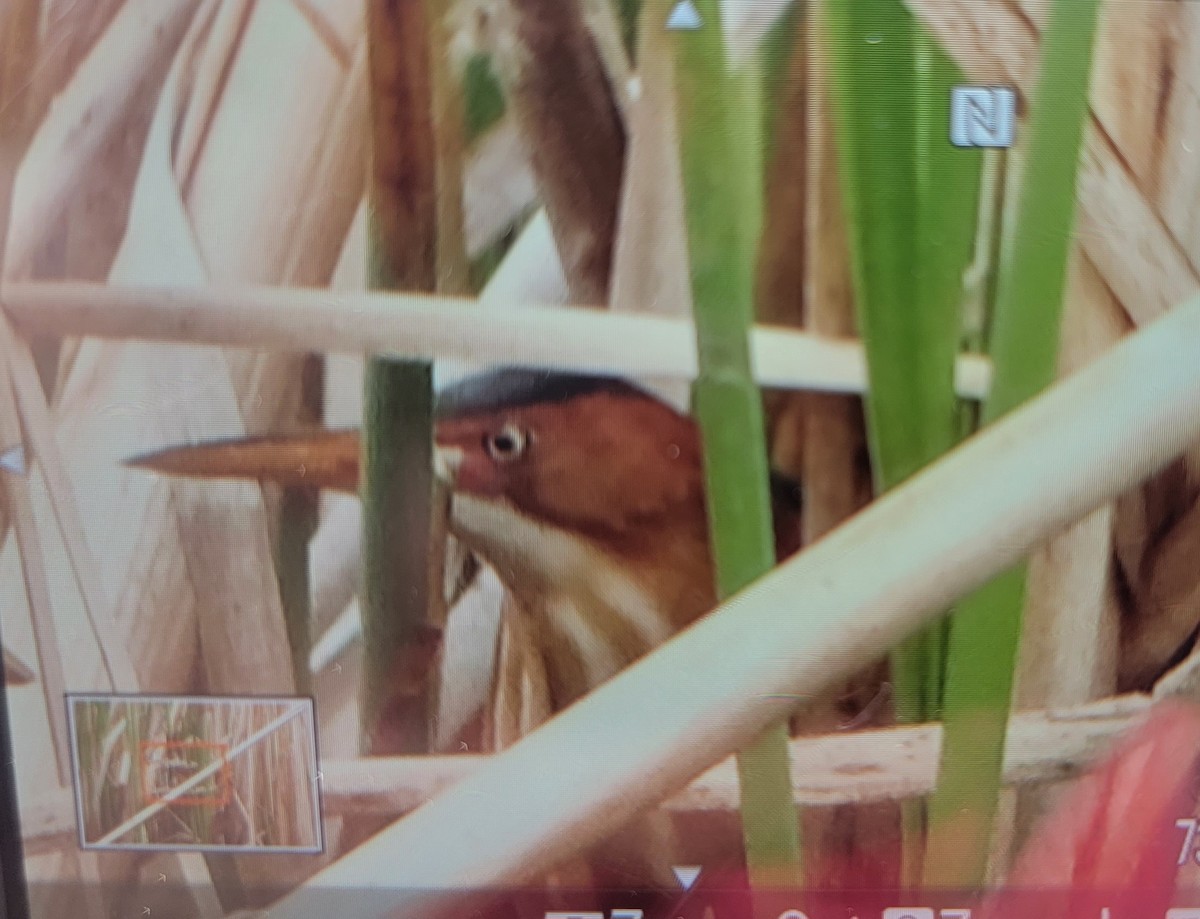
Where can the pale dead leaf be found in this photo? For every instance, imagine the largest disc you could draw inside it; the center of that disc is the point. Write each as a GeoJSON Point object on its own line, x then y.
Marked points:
{"type": "Point", "coordinates": [521, 695]}
{"type": "Point", "coordinates": [651, 272]}
{"type": "Point", "coordinates": [100, 108]}
{"type": "Point", "coordinates": [498, 186]}
{"type": "Point", "coordinates": [1068, 652]}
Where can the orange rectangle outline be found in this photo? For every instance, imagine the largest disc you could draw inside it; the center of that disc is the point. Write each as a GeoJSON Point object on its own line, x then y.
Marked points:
{"type": "Point", "coordinates": [222, 775]}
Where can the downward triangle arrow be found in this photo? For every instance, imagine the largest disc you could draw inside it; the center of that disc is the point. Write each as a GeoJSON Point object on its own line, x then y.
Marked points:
{"type": "Point", "coordinates": [684, 16]}
{"type": "Point", "coordinates": [13, 460]}
{"type": "Point", "coordinates": [686, 875]}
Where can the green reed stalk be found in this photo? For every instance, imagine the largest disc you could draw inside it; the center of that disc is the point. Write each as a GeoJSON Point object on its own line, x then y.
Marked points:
{"type": "Point", "coordinates": [947, 195]}
{"type": "Point", "coordinates": [720, 137]}
{"type": "Point", "coordinates": [911, 201]}
{"type": "Point", "coordinates": [298, 518]}
{"type": "Point", "coordinates": [1024, 346]}
{"type": "Point", "coordinates": [629, 12]}
{"type": "Point", "coordinates": [416, 219]}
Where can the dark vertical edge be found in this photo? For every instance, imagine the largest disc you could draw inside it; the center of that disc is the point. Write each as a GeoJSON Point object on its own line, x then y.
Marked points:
{"type": "Point", "coordinates": [15, 902]}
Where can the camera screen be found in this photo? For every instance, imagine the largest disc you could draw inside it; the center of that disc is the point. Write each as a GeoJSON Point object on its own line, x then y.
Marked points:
{"type": "Point", "coordinates": [600, 459]}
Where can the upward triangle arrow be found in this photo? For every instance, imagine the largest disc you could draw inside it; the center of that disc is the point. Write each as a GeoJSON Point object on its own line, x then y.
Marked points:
{"type": "Point", "coordinates": [684, 17]}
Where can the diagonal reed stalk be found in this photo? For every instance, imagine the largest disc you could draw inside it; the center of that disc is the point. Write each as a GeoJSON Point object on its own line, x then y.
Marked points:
{"type": "Point", "coordinates": [720, 138]}
{"type": "Point", "coordinates": [910, 199]}
{"type": "Point", "coordinates": [1024, 343]}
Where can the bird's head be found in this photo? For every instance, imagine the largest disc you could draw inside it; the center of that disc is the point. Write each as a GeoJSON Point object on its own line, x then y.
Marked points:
{"type": "Point", "coordinates": [528, 456]}
{"type": "Point", "coordinates": [594, 456]}
{"type": "Point", "coordinates": [584, 494]}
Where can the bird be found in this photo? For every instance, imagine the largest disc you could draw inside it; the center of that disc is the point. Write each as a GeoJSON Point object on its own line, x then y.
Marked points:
{"type": "Point", "coordinates": [584, 493]}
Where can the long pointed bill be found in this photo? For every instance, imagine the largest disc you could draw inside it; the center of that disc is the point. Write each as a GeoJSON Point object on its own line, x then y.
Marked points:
{"type": "Point", "coordinates": [325, 459]}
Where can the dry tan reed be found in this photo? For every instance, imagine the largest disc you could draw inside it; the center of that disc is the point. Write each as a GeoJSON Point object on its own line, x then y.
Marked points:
{"type": "Point", "coordinates": [425, 326]}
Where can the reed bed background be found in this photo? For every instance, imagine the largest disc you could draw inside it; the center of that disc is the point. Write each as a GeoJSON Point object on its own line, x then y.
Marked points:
{"type": "Point", "coordinates": [126, 750]}
{"type": "Point", "coordinates": [202, 192]}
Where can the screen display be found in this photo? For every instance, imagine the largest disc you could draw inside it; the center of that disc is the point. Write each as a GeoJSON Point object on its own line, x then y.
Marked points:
{"type": "Point", "coordinates": [600, 459]}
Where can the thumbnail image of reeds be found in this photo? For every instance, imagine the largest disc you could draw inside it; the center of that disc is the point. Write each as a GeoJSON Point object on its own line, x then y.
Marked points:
{"type": "Point", "coordinates": [195, 773]}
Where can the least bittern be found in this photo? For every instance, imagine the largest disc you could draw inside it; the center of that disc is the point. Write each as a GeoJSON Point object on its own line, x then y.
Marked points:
{"type": "Point", "coordinates": [585, 494]}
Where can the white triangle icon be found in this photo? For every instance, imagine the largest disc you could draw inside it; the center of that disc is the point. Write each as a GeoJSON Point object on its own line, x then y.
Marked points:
{"type": "Point", "coordinates": [684, 17]}
{"type": "Point", "coordinates": [13, 460]}
{"type": "Point", "coordinates": [686, 875]}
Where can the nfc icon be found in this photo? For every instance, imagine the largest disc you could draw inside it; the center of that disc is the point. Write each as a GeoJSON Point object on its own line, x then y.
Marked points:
{"type": "Point", "coordinates": [983, 116]}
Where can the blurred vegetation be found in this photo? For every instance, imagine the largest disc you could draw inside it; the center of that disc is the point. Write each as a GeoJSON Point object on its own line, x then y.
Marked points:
{"type": "Point", "coordinates": [483, 98]}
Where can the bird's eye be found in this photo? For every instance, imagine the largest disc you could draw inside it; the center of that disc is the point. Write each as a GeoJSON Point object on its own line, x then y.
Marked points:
{"type": "Point", "coordinates": [507, 444]}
